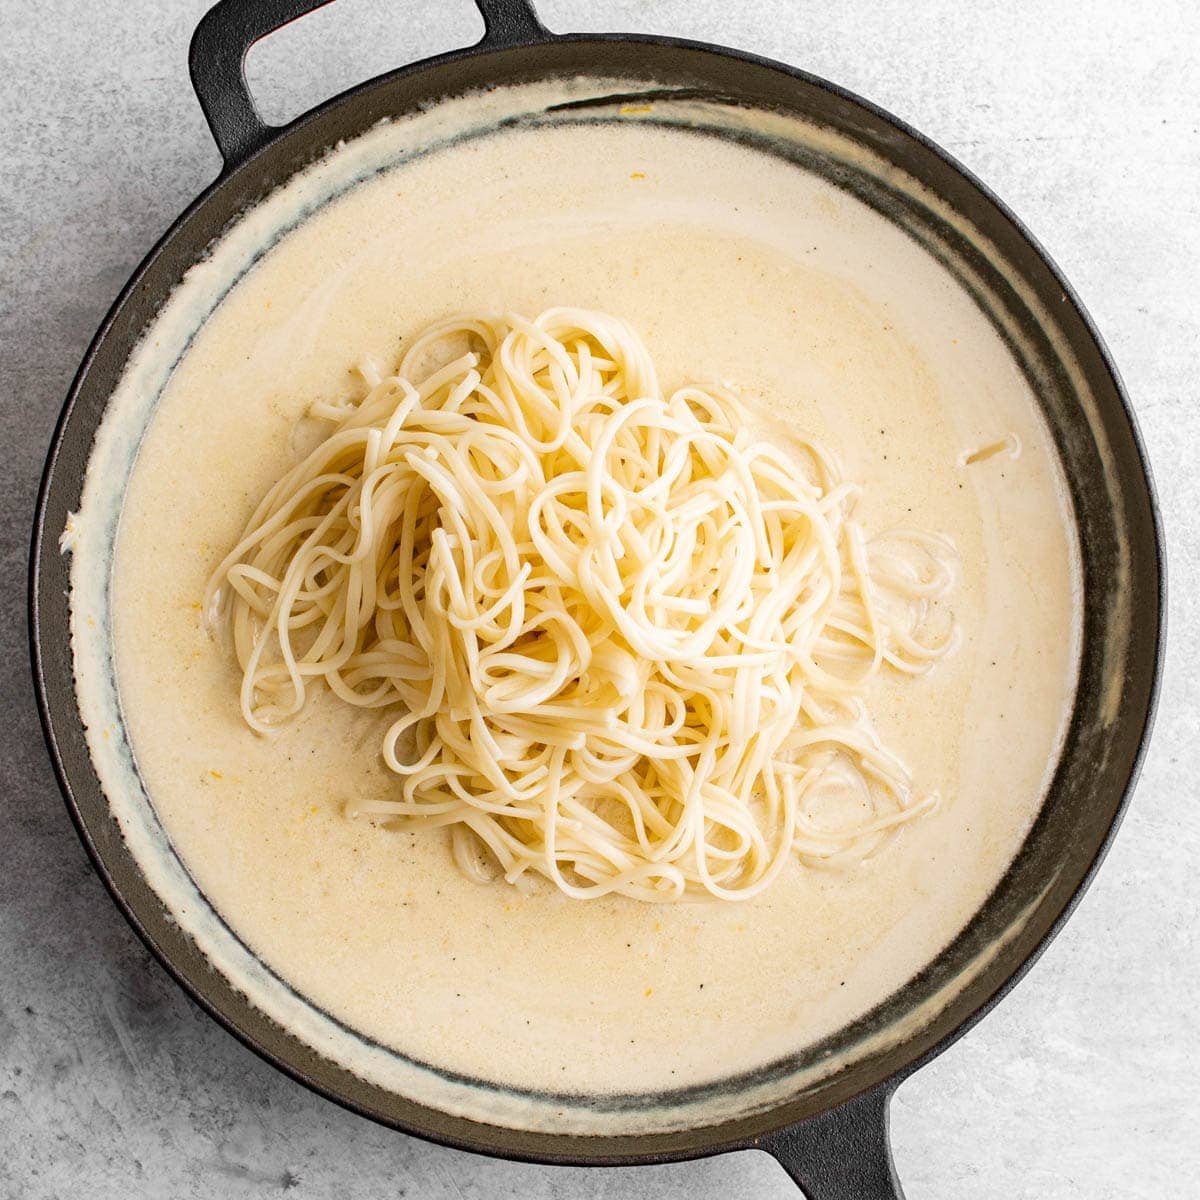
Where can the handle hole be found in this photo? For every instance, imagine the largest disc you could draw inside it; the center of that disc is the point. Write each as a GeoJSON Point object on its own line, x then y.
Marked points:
{"type": "Point", "coordinates": [332, 49]}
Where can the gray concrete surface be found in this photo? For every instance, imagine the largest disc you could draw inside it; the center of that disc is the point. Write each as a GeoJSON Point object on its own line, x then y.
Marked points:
{"type": "Point", "coordinates": [1083, 1083]}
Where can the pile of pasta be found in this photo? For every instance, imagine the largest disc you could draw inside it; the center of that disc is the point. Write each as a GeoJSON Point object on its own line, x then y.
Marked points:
{"type": "Point", "coordinates": [618, 639]}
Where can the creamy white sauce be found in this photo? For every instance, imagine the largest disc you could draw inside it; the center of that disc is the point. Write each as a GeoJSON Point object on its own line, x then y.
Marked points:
{"type": "Point", "coordinates": [734, 266]}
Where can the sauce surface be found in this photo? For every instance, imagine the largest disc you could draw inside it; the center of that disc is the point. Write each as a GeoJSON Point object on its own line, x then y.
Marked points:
{"type": "Point", "coordinates": [734, 266]}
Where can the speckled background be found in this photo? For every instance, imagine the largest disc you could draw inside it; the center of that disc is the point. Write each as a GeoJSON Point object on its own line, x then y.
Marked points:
{"type": "Point", "coordinates": [1084, 117]}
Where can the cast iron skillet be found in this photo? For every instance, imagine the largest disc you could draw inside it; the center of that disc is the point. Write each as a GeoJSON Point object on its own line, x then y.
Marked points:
{"type": "Point", "coordinates": [831, 1136]}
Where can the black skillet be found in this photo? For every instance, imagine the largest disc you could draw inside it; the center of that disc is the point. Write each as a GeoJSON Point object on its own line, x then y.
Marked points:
{"type": "Point", "coordinates": [830, 1135]}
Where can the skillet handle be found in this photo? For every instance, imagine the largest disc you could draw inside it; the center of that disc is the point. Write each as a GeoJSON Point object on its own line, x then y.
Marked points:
{"type": "Point", "coordinates": [217, 60]}
{"type": "Point", "coordinates": [843, 1154]}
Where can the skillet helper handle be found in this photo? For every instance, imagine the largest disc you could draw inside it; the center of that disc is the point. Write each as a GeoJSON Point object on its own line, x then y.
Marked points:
{"type": "Point", "coordinates": [217, 60]}
{"type": "Point", "coordinates": [843, 1154]}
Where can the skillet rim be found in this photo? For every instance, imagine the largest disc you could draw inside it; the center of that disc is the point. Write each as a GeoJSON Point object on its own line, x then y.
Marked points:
{"type": "Point", "coordinates": [465, 1133]}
